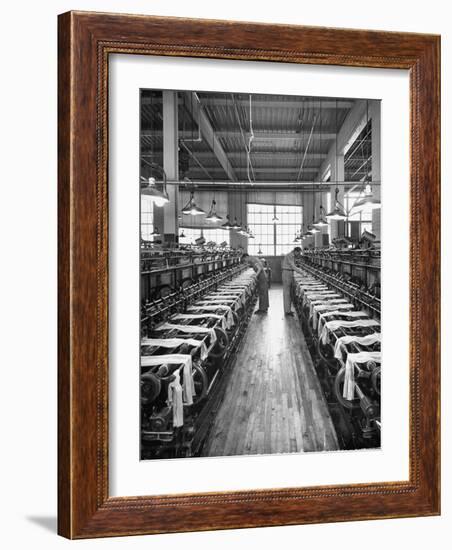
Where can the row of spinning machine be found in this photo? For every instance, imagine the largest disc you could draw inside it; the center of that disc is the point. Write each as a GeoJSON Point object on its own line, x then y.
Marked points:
{"type": "Point", "coordinates": [187, 349]}
{"type": "Point", "coordinates": [341, 325]}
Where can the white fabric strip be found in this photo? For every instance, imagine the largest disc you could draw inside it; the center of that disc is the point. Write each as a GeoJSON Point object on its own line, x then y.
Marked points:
{"type": "Point", "coordinates": [309, 296]}
{"type": "Point", "coordinates": [331, 306]}
{"type": "Point", "coordinates": [238, 297]}
{"type": "Point", "coordinates": [346, 314]}
{"type": "Point", "coordinates": [301, 290]}
{"type": "Point", "coordinates": [367, 340]}
{"type": "Point", "coordinates": [352, 360]}
{"type": "Point", "coordinates": [173, 342]}
{"type": "Point", "coordinates": [217, 301]}
{"type": "Point", "coordinates": [331, 326]}
{"type": "Point", "coordinates": [221, 318]}
{"type": "Point", "coordinates": [175, 359]}
{"type": "Point", "coordinates": [227, 309]}
{"type": "Point", "coordinates": [325, 301]}
{"type": "Point", "coordinates": [193, 329]}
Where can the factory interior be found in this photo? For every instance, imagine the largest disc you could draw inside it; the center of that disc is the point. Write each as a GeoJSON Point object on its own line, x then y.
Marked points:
{"type": "Point", "coordinates": [259, 274]}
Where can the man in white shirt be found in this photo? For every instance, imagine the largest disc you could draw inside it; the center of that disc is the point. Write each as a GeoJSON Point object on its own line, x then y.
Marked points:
{"type": "Point", "coordinates": [262, 283]}
{"type": "Point", "coordinates": [288, 267]}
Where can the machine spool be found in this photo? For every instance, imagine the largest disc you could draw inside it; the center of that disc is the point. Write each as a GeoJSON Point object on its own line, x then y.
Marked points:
{"type": "Point", "coordinates": [162, 292]}
{"type": "Point", "coordinates": [375, 378]}
{"type": "Point", "coordinates": [221, 344]}
{"type": "Point", "coordinates": [201, 383]}
{"type": "Point", "coordinates": [338, 389]}
{"type": "Point", "coordinates": [325, 356]}
{"type": "Point", "coordinates": [151, 387]}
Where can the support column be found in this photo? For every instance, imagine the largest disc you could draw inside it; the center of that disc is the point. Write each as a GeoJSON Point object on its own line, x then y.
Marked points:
{"type": "Point", "coordinates": [337, 175]}
{"type": "Point", "coordinates": [375, 116]}
{"type": "Point", "coordinates": [171, 164]}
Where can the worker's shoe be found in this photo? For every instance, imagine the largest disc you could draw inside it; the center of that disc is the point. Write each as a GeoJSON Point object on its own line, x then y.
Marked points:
{"type": "Point", "coordinates": [290, 314]}
{"type": "Point", "coordinates": [260, 312]}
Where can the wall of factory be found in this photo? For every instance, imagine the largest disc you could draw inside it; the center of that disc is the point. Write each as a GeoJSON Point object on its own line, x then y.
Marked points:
{"type": "Point", "coordinates": [233, 202]}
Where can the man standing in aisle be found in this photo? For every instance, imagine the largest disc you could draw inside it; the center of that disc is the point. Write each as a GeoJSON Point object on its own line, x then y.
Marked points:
{"type": "Point", "coordinates": [288, 267]}
{"type": "Point", "coordinates": [262, 283]}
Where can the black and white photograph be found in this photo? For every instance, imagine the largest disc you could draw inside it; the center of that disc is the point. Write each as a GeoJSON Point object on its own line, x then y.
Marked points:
{"type": "Point", "coordinates": [259, 274]}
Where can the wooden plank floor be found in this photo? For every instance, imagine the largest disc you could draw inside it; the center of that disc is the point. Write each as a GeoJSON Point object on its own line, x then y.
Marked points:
{"type": "Point", "coordinates": [274, 403]}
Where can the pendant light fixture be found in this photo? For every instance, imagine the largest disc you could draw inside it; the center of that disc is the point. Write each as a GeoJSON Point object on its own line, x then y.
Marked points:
{"type": "Point", "coordinates": [150, 191]}
{"type": "Point", "coordinates": [159, 198]}
{"type": "Point", "coordinates": [321, 221]}
{"type": "Point", "coordinates": [275, 217]}
{"type": "Point", "coordinates": [242, 230]}
{"type": "Point", "coordinates": [212, 216]}
{"type": "Point", "coordinates": [312, 228]}
{"type": "Point", "coordinates": [300, 233]}
{"type": "Point", "coordinates": [367, 201]}
{"type": "Point", "coordinates": [338, 212]}
{"type": "Point", "coordinates": [236, 224]}
{"type": "Point", "coordinates": [182, 235]}
{"type": "Point", "coordinates": [190, 208]}
{"type": "Point", "coordinates": [227, 224]}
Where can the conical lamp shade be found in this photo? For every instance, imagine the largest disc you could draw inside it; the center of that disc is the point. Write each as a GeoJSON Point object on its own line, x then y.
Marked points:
{"type": "Point", "coordinates": [367, 203]}
{"type": "Point", "coordinates": [321, 222]}
{"type": "Point", "coordinates": [191, 209]}
{"type": "Point", "coordinates": [337, 214]}
{"type": "Point", "coordinates": [212, 216]}
{"type": "Point", "coordinates": [160, 198]}
{"type": "Point", "coordinates": [227, 224]}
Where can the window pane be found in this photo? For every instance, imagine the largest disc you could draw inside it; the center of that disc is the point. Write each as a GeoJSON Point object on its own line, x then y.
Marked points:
{"type": "Point", "coordinates": [290, 219]}
{"type": "Point", "coordinates": [147, 219]}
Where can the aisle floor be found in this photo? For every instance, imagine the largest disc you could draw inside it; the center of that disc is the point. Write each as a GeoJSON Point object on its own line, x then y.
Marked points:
{"type": "Point", "coordinates": [273, 402]}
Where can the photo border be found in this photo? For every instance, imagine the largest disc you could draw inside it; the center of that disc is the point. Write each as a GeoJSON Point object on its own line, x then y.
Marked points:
{"type": "Point", "coordinates": [85, 42]}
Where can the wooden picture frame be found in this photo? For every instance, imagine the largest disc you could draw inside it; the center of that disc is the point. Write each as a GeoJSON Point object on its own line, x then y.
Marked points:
{"type": "Point", "coordinates": [85, 42]}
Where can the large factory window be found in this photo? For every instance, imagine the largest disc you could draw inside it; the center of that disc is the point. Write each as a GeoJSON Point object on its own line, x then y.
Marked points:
{"type": "Point", "coordinates": [363, 217]}
{"type": "Point", "coordinates": [217, 235]}
{"type": "Point", "coordinates": [274, 227]}
{"type": "Point", "coordinates": [147, 219]}
{"type": "Point", "coordinates": [260, 222]}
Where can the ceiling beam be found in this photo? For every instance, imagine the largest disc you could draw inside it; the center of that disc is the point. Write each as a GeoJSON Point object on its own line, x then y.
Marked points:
{"type": "Point", "coordinates": [275, 135]}
{"type": "Point", "coordinates": [261, 170]}
{"type": "Point", "coordinates": [258, 155]}
{"type": "Point", "coordinates": [263, 103]}
{"type": "Point", "coordinates": [197, 112]}
{"type": "Point", "coordinates": [278, 185]}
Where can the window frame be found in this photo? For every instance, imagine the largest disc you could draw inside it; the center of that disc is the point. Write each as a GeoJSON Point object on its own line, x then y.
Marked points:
{"type": "Point", "coordinates": [275, 211]}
